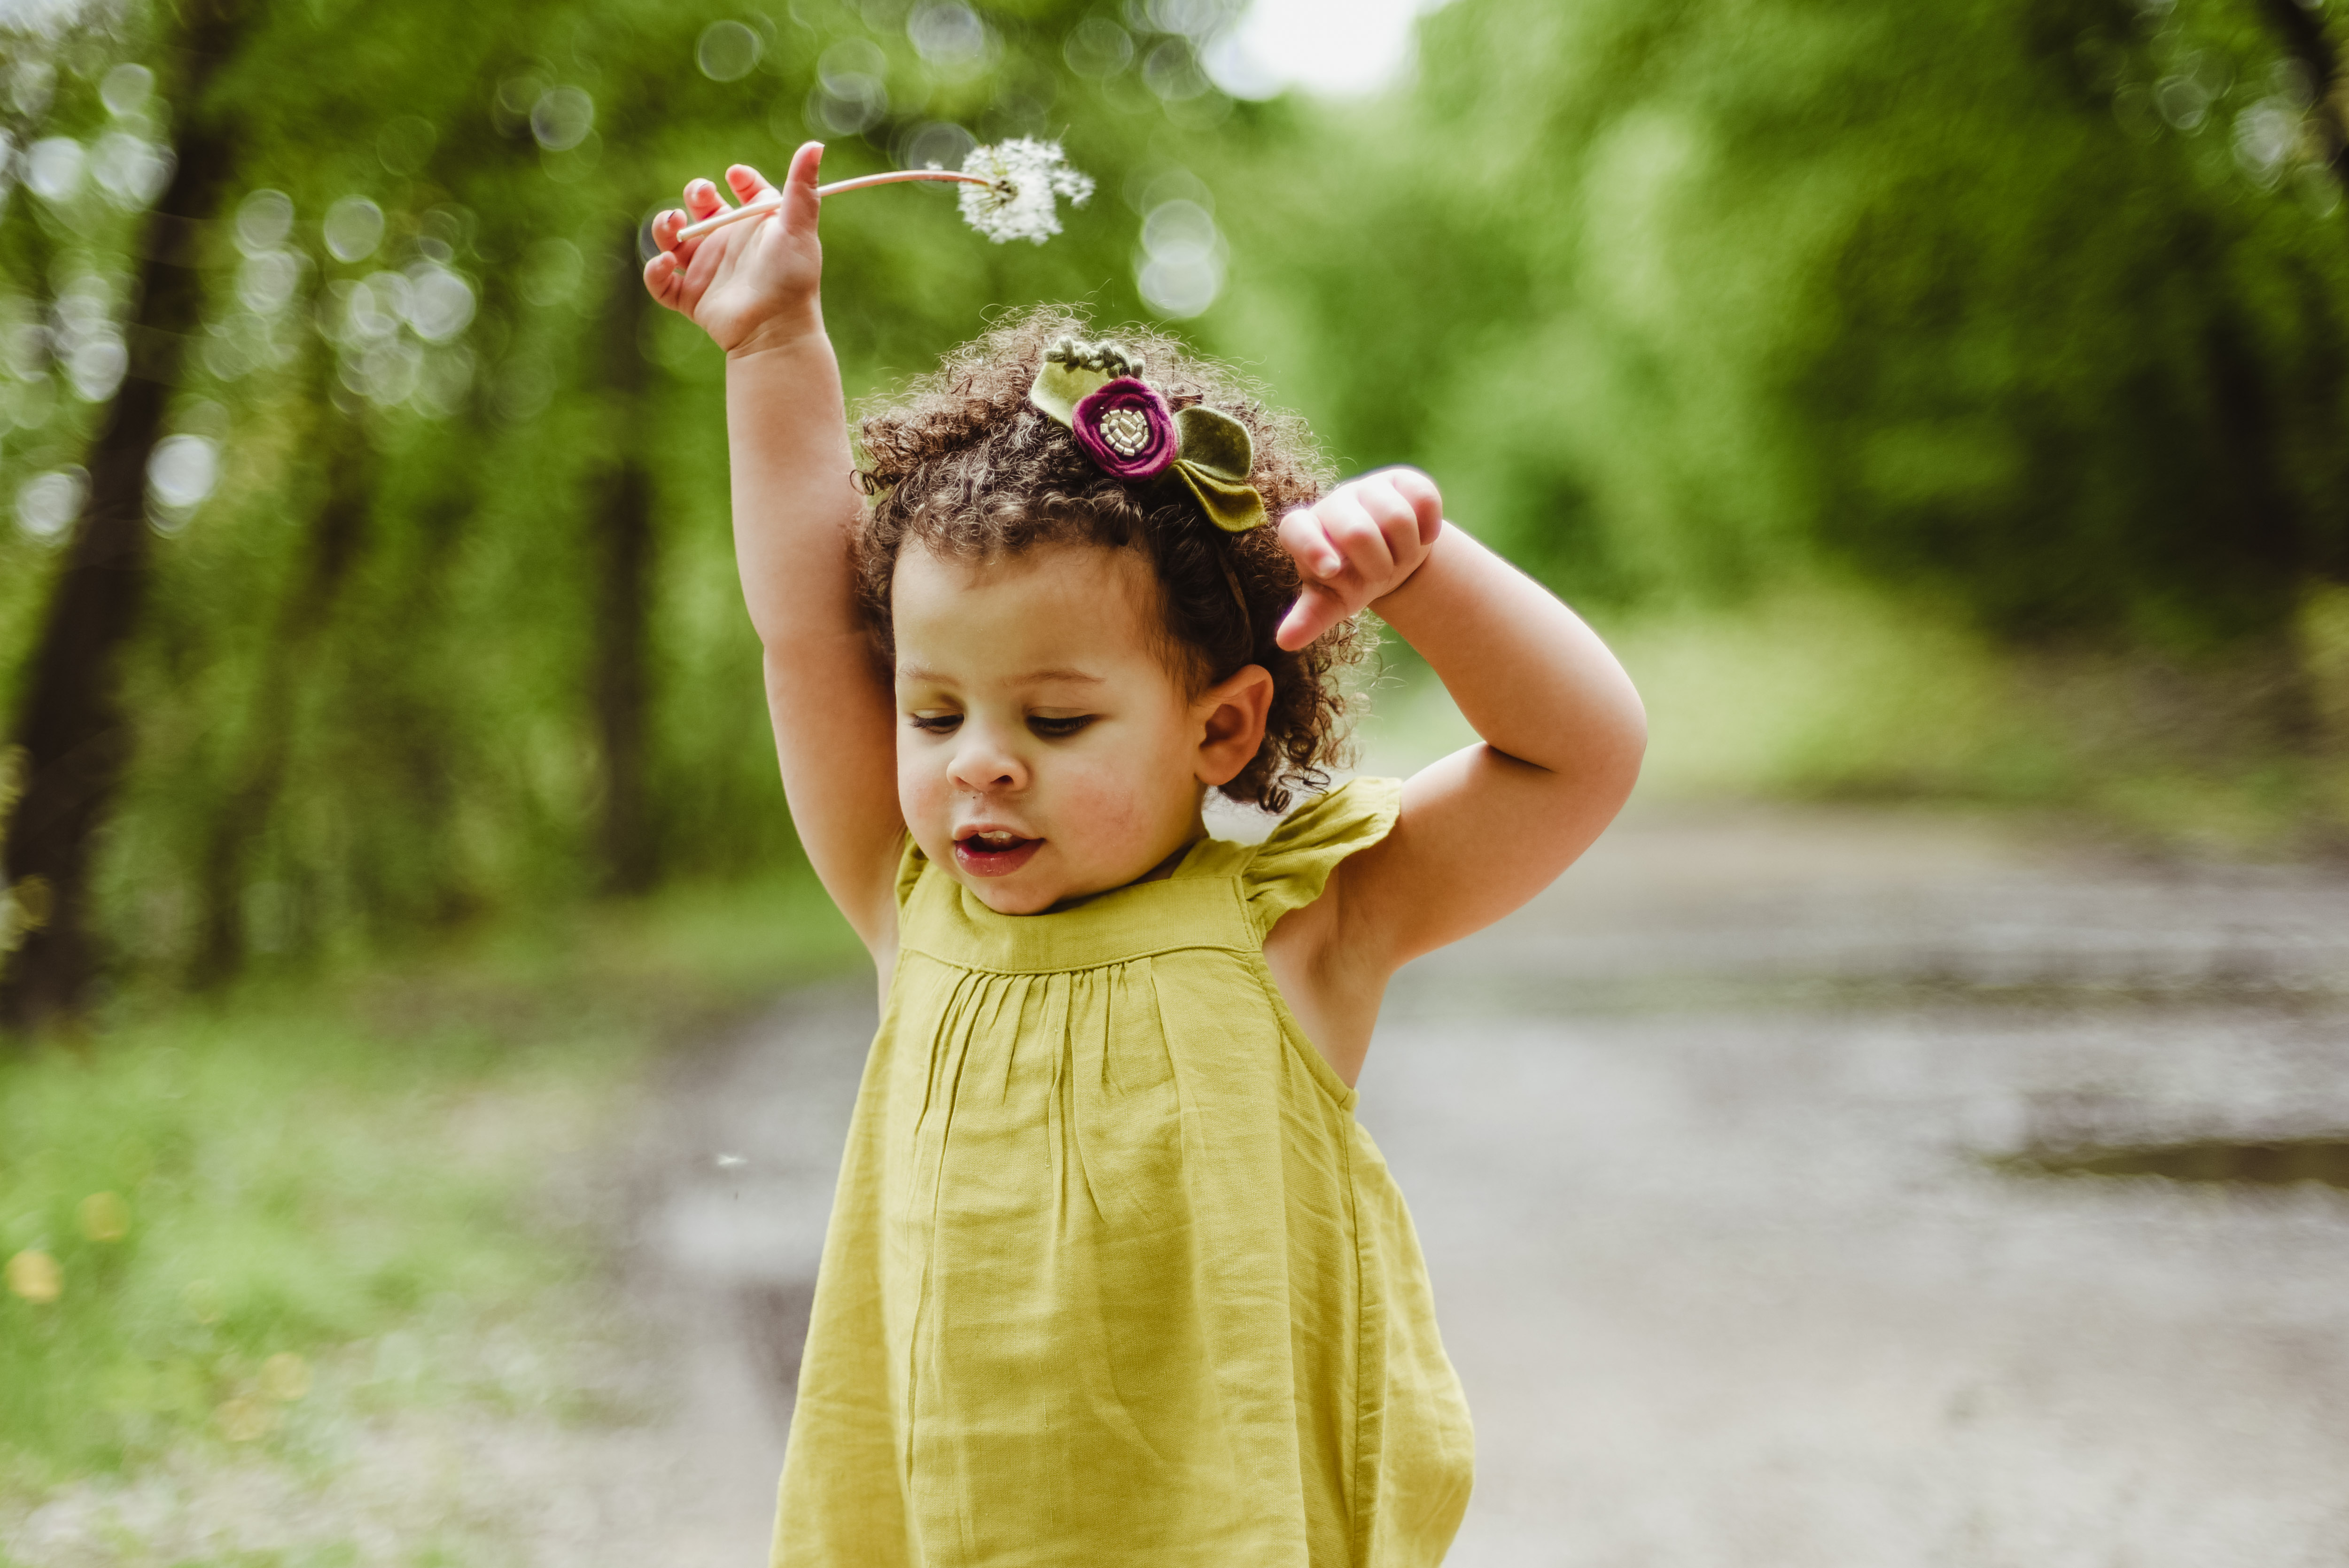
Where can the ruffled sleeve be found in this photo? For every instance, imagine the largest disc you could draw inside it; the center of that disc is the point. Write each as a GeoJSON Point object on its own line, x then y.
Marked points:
{"type": "Point", "coordinates": [1292, 865]}
{"type": "Point", "coordinates": [910, 864]}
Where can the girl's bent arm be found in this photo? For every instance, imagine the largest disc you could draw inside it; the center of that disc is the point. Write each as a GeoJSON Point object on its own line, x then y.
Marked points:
{"type": "Point", "coordinates": [1486, 828]}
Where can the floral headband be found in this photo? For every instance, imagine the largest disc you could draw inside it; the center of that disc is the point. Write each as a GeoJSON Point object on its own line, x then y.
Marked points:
{"type": "Point", "coordinates": [1124, 425]}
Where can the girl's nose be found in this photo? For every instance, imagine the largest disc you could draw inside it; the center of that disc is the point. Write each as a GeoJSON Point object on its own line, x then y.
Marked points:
{"type": "Point", "coordinates": [982, 763]}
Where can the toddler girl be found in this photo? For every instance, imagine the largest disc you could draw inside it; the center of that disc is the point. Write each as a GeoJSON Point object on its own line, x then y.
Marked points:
{"type": "Point", "coordinates": [1113, 1277]}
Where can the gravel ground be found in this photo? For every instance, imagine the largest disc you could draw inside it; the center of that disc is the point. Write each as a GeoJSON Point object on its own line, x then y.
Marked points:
{"type": "Point", "coordinates": [1699, 1148]}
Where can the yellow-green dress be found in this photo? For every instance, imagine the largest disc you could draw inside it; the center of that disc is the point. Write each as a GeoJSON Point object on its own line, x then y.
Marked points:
{"type": "Point", "coordinates": [1114, 1279]}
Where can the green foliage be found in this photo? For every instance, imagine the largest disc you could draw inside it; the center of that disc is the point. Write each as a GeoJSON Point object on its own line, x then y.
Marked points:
{"type": "Point", "coordinates": [291, 1185]}
{"type": "Point", "coordinates": [352, 1178]}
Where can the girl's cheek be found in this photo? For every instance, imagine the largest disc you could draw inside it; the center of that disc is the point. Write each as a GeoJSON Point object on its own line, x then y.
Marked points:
{"type": "Point", "coordinates": [1108, 801]}
{"type": "Point", "coordinates": [924, 797]}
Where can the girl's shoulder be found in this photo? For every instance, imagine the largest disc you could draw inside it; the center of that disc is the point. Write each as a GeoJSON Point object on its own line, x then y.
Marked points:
{"type": "Point", "coordinates": [1293, 864]}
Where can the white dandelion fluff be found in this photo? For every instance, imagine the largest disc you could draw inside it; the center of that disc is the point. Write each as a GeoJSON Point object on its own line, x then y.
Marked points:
{"type": "Point", "coordinates": [1009, 191]}
{"type": "Point", "coordinates": [1022, 177]}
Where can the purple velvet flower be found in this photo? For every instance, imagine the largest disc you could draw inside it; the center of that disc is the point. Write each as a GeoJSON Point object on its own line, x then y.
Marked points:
{"type": "Point", "coordinates": [1126, 428]}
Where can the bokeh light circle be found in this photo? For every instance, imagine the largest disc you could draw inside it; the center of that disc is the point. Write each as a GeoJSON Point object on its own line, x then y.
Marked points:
{"type": "Point", "coordinates": [263, 219]}
{"type": "Point", "coordinates": [562, 118]}
{"type": "Point", "coordinates": [52, 168]}
{"type": "Point", "coordinates": [727, 52]}
{"type": "Point", "coordinates": [266, 281]}
{"type": "Point", "coordinates": [1097, 48]}
{"type": "Point", "coordinates": [353, 229]}
{"type": "Point", "coordinates": [440, 302]}
{"type": "Point", "coordinates": [125, 89]}
{"type": "Point", "coordinates": [182, 470]}
{"type": "Point", "coordinates": [48, 503]}
{"type": "Point", "coordinates": [948, 34]}
{"type": "Point", "coordinates": [850, 59]}
{"type": "Point", "coordinates": [405, 144]}
{"type": "Point", "coordinates": [848, 106]}
{"type": "Point", "coordinates": [97, 366]}
{"type": "Point", "coordinates": [936, 144]}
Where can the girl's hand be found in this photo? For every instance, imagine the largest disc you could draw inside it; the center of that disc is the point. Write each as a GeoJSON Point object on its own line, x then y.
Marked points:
{"type": "Point", "coordinates": [751, 283]}
{"type": "Point", "coordinates": [1357, 545]}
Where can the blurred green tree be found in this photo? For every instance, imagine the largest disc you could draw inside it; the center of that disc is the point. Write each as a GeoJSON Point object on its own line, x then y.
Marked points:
{"type": "Point", "coordinates": [451, 624]}
{"type": "Point", "coordinates": [73, 741]}
{"type": "Point", "coordinates": [393, 584]}
{"type": "Point", "coordinates": [2040, 306]}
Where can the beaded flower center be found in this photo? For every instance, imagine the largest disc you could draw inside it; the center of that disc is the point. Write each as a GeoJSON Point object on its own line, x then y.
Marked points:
{"type": "Point", "coordinates": [1125, 431]}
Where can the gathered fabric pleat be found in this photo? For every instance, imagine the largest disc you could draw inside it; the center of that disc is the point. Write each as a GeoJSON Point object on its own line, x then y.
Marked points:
{"type": "Point", "coordinates": [1095, 1285]}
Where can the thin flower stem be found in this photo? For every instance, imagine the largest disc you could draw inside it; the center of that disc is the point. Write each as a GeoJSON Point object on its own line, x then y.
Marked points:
{"type": "Point", "coordinates": [768, 204]}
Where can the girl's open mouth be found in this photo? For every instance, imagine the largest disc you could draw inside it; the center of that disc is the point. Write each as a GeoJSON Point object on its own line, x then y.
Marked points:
{"type": "Point", "coordinates": [994, 854]}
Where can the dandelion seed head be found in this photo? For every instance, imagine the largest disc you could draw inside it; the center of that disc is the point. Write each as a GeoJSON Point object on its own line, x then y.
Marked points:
{"type": "Point", "coordinates": [1023, 176]}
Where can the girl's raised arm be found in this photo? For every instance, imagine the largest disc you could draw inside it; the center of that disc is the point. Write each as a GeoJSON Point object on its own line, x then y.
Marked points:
{"type": "Point", "coordinates": [753, 287]}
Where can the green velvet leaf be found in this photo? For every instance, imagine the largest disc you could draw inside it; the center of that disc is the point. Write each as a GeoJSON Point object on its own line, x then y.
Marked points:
{"type": "Point", "coordinates": [1234, 508]}
{"type": "Point", "coordinates": [1215, 443]}
{"type": "Point", "coordinates": [1060, 386]}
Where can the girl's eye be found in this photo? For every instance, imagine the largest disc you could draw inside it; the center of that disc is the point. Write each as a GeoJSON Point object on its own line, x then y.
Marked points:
{"type": "Point", "coordinates": [934, 723]}
{"type": "Point", "coordinates": [1059, 728]}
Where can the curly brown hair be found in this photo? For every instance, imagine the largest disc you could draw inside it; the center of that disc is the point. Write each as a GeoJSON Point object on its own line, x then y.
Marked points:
{"type": "Point", "coordinates": [960, 463]}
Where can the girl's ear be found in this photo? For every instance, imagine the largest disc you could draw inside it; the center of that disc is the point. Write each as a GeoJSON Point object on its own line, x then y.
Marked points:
{"type": "Point", "coordinates": [1231, 717]}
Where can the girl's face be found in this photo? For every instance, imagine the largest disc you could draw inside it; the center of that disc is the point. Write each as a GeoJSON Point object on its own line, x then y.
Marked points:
{"type": "Point", "coordinates": [1046, 749]}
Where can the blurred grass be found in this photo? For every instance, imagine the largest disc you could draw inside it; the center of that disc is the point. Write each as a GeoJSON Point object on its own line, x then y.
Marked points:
{"type": "Point", "coordinates": [257, 1224]}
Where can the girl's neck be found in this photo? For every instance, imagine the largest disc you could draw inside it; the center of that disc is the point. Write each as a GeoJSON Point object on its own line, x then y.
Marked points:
{"type": "Point", "coordinates": [1158, 872]}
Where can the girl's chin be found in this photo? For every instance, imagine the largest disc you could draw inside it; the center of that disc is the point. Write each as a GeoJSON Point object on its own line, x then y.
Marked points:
{"type": "Point", "coordinates": [1012, 901]}
{"type": "Point", "coordinates": [1007, 883]}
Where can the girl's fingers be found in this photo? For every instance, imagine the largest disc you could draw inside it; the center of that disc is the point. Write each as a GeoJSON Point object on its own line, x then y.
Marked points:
{"type": "Point", "coordinates": [1426, 501]}
{"type": "Point", "coordinates": [665, 229]}
{"type": "Point", "coordinates": [661, 278]}
{"type": "Point", "coordinates": [1316, 610]}
{"type": "Point", "coordinates": [749, 184]}
{"type": "Point", "coordinates": [1356, 533]}
{"type": "Point", "coordinates": [1396, 518]}
{"type": "Point", "coordinates": [1308, 543]}
{"type": "Point", "coordinates": [701, 200]}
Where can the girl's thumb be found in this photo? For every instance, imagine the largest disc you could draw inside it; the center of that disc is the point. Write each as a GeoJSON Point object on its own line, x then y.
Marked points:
{"type": "Point", "coordinates": [1316, 610]}
{"type": "Point", "coordinates": [801, 202]}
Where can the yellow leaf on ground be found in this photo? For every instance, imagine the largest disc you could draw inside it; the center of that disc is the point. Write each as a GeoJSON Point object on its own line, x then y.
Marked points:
{"type": "Point", "coordinates": [105, 1217]}
{"type": "Point", "coordinates": [36, 1276]}
{"type": "Point", "coordinates": [284, 1376]}
{"type": "Point", "coordinates": [245, 1420]}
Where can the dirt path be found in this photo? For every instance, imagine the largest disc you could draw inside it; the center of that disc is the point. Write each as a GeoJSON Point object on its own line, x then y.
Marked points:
{"type": "Point", "coordinates": [1696, 1149]}
{"type": "Point", "coordinates": [1695, 1146]}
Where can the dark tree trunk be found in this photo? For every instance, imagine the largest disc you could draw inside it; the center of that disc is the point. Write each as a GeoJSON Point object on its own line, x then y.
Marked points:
{"type": "Point", "coordinates": [71, 732]}
{"type": "Point", "coordinates": [336, 534]}
{"type": "Point", "coordinates": [624, 524]}
{"type": "Point", "coordinates": [2259, 531]}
